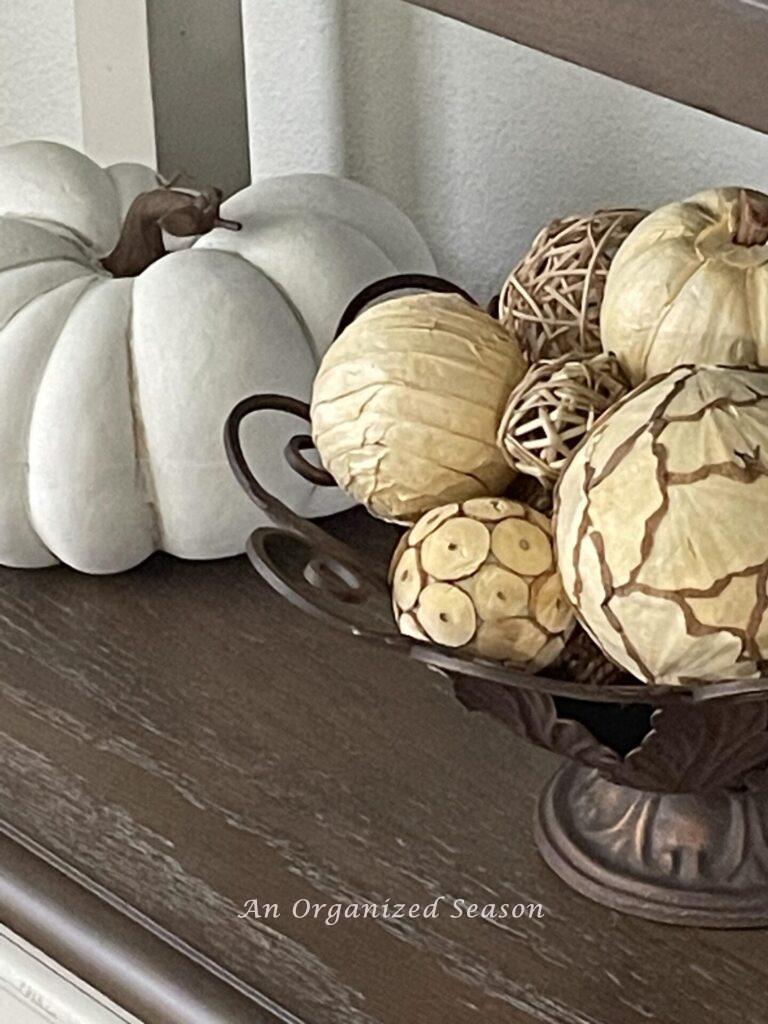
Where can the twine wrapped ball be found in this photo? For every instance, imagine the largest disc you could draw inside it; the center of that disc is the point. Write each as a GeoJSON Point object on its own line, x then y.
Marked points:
{"type": "Point", "coordinates": [553, 408]}
{"type": "Point", "coordinates": [551, 300]}
{"type": "Point", "coordinates": [407, 403]}
{"type": "Point", "coordinates": [660, 527]}
{"type": "Point", "coordinates": [481, 576]}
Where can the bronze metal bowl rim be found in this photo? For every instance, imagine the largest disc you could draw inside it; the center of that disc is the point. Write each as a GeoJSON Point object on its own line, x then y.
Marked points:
{"type": "Point", "coordinates": [317, 599]}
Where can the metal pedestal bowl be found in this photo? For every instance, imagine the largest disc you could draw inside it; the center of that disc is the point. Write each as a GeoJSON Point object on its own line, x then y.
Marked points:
{"type": "Point", "coordinates": [661, 809]}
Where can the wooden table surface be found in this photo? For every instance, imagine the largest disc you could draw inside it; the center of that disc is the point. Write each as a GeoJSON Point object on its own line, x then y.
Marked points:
{"type": "Point", "coordinates": [177, 740]}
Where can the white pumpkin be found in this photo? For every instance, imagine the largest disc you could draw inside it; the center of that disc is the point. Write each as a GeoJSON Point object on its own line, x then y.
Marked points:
{"type": "Point", "coordinates": [114, 391]}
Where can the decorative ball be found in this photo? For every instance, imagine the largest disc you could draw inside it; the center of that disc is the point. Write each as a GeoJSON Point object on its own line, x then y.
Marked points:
{"type": "Point", "coordinates": [691, 286]}
{"type": "Point", "coordinates": [582, 661]}
{"type": "Point", "coordinates": [481, 576]}
{"type": "Point", "coordinates": [660, 527]}
{"type": "Point", "coordinates": [552, 409]}
{"type": "Point", "coordinates": [551, 300]}
{"type": "Point", "coordinates": [407, 402]}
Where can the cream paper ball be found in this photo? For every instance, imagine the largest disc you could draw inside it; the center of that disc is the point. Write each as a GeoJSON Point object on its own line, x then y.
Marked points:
{"type": "Point", "coordinates": [407, 403]}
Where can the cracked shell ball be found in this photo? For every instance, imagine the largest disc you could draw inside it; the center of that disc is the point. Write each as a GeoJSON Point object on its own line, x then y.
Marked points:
{"type": "Point", "coordinates": [660, 527]}
{"type": "Point", "coordinates": [481, 576]}
{"type": "Point", "coordinates": [407, 402]}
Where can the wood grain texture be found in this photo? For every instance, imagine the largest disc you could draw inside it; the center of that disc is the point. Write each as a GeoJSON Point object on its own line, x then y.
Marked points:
{"type": "Point", "coordinates": [708, 54]}
{"type": "Point", "coordinates": [183, 740]}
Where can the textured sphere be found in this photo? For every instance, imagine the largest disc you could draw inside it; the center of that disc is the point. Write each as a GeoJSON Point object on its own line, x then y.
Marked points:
{"type": "Point", "coordinates": [551, 301]}
{"type": "Point", "coordinates": [481, 576]}
{"type": "Point", "coordinates": [553, 408]}
{"type": "Point", "coordinates": [690, 285]}
{"type": "Point", "coordinates": [407, 402]}
{"type": "Point", "coordinates": [661, 527]}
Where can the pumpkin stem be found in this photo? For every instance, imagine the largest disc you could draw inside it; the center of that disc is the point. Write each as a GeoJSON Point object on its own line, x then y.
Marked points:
{"type": "Point", "coordinates": [162, 209]}
{"type": "Point", "coordinates": [751, 218]}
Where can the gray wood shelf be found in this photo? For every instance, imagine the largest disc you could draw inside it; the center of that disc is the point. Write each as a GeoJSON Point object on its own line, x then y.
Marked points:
{"type": "Point", "coordinates": [710, 54]}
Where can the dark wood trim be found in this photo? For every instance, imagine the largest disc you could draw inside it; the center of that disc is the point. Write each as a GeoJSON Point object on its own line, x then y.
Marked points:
{"type": "Point", "coordinates": [122, 958]}
{"type": "Point", "coordinates": [198, 92]}
{"type": "Point", "coordinates": [709, 54]}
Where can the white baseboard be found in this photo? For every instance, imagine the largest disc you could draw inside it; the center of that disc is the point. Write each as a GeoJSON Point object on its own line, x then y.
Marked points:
{"type": "Point", "coordinates": [36, 990]}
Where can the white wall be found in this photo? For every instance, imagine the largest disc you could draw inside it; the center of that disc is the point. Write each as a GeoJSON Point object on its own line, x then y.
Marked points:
{"type": "Point", "coordinates": [115, 91]}
{"type": "Point", "coordinates": [479, 140]}
{"type": "Point", "coordinates": [39, 83]}
{"type": "Point", "coordinates": [77, 71]}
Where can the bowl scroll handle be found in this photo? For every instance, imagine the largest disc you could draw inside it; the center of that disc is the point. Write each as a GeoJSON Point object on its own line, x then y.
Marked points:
{"type": "Point", "coordinates": [320, 573]}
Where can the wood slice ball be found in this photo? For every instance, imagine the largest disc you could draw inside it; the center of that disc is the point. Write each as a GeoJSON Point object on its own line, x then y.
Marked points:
{"type": "Point", "coordinates": [660, 527]}
{"type": "Point", "coordinates": [407, 403]}
{"type": "Point", "coordinates": [551, 300]}
{"type": "Point", "coordinates": [481, 576]}
{"type": "Point", "coordinates": [553, 408]}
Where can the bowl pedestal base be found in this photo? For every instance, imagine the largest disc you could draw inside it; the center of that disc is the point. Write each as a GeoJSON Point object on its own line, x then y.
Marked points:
{"type": "Point", "coordinates": [683, 858]}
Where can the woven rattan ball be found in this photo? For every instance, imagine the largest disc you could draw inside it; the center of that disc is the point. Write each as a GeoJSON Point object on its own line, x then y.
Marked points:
{"type": "Point", "coordinates": [552, 409]}
{"type": "Point", "coordinates": [551, 300]}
